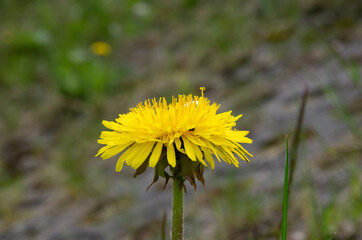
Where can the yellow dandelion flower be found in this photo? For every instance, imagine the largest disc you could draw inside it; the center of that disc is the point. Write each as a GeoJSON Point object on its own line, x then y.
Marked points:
{"type": "Point", "coordinates": [187, 131]}
{"type": "Point", "coordinates": [101, 48]}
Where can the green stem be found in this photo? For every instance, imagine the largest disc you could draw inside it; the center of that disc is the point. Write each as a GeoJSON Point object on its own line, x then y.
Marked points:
{"type": "Point", "coordinates": [177, 211]}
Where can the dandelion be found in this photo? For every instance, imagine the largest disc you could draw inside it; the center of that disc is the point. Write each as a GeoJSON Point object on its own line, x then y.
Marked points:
{"type": "Point", "coordinates": [182, 136]}
{"type": "Point", "coordinates": [189, 127]}
{"type": "Point", "coordinates": [101, 48]}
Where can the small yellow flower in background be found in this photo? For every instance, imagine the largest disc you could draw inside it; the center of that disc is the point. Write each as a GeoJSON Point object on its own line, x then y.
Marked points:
{"type": "Point", "coordinates": [182, 135]}
{"type": "Point", "coordinates": [101, 48]}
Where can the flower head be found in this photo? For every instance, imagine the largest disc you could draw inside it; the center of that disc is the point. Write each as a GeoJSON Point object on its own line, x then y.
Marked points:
{"type": "Point", "coordinates": [182, 135]}
{"type": "Point", "coordinates": [101, 48]}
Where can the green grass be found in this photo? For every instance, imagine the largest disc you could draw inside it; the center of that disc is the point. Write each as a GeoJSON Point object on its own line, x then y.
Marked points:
{"type": "Point", "coordinates": [285, 192]}
{"type": "Point", "coordinates": [54, 90]}
{"type": "Point", "coordinates": [333, 235]}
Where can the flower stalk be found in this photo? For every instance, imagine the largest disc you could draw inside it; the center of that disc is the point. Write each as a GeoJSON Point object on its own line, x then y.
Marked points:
{"type": "Point", "coordinates": [177, 211]}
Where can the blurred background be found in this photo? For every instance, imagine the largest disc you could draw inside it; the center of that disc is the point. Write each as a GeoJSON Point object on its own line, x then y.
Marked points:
{"type": "Point", "coordinates": [67, 65]}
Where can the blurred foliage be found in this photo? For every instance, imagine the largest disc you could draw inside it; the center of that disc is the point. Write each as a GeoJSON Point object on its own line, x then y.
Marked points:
{"type": "Point", "coordinates": [54, 90]}
{"type": "Point", "coordinates": [50, 42]}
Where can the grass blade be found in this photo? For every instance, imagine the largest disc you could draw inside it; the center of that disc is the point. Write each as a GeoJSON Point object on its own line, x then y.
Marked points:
{"type": "Point", "coordinates": [295, 147]}
{"type": "Point", "coordinates": [296, 137]}
{"type": "Point", "coordinates": [334, 234]}
{"type": "Point", "coordinates": [285, 193]}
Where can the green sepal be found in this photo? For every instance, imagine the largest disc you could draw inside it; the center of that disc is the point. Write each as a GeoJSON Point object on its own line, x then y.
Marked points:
{"type": "Point", "coordinates": [185, 169]}
{"type": "Point", "coordinates": [141, 169]}
{"type": "Point", "coordinates": [160, 170]}
{"type": "Point", "coordinates": [191, 169]}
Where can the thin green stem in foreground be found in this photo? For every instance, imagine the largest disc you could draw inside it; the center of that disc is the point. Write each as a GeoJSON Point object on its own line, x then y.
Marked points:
{"type": "Point", "coordinates": [285, 194]}
{"type": "Point", "coordinates": [334, 234]}
{"type": "Point", "coordinates": [177, 211]}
